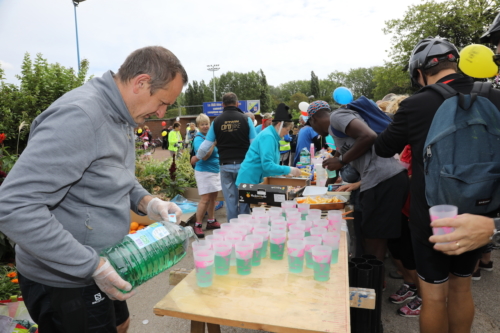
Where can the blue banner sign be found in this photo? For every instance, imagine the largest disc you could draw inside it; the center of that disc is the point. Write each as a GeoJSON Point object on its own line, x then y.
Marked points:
{"type": "Point", "coordinates": [213, 109]}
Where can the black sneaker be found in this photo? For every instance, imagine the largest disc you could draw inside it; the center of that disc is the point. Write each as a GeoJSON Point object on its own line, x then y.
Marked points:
{"type": "Point", "coordinates": [476, 276]}
{"type": "Point", "coordinates": [486, 267]}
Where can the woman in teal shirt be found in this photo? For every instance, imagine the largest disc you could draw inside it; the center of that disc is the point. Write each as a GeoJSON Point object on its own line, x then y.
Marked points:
{"type": "Point", "coordinates": [207, 175]}
{"type": "Point", "coordinates": [263, 156]}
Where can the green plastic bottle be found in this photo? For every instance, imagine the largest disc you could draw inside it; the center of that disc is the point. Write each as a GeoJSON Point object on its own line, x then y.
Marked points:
{"type": "Point", "coordinates": [150, 251]}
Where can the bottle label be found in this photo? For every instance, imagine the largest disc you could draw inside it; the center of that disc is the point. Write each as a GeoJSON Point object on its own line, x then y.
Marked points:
{"type": "Point", "coordinates": [149, 235]}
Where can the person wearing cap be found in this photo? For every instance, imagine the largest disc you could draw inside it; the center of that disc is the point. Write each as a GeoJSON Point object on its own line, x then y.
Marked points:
{"type": "Point", "coordinates": [263, 156]}
{"type": "Point", "coordinates": [267, 118]}
{"type": "Point", "coordinates": [384, 182]}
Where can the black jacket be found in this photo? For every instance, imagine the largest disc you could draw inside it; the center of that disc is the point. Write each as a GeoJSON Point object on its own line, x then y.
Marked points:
{"type": "Point", "coordinates": [410, 126]}
{"type": "Point", "coordinates": [232, 133]}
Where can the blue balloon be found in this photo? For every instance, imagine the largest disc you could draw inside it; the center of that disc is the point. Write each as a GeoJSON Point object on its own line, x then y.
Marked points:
{"type": "Point", "coordinates": [342, 95]}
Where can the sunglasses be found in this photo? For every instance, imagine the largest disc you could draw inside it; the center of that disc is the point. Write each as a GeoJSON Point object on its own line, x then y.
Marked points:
{"type": "Point", "coordinates": [496, 59]}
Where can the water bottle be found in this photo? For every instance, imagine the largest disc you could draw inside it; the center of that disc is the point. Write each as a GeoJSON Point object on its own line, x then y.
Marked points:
{"type": "Point", "coordinates": [148, 252]}
{"type": "Point", "coordinates": [305, 156]}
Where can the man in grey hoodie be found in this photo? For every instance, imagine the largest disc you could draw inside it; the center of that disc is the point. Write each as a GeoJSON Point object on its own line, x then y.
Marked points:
{"type": "Point", "coordinates": [69, 195]}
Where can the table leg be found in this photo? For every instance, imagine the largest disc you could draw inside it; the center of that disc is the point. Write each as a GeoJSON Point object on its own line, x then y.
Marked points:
{"type": "Point", "coordinates": [213, 328]}
{"type": "Point", "coordinates": [197, 327]}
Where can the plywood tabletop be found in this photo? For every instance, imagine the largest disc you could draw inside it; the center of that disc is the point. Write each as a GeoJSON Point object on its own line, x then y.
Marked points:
{"type": "Point", "coordinates": [270, 298]}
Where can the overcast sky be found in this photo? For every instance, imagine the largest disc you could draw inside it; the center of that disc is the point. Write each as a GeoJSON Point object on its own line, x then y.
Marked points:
{"type": "Point", "coordinates": [287, 39]}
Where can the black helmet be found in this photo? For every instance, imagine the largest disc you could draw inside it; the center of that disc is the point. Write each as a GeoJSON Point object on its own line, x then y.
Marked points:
{"type": "Point", "coordinates": [494, 27]}
{"type": "Point", "coordinates": [428, 53]}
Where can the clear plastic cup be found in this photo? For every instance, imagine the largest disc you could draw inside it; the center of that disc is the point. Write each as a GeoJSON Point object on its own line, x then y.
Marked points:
{"type": "Point", "coordinates": [314, 212]}
{"type": "Point", "coordinates": [223, 251]}
{"type": "Point", "coordinates": [245, 217]}
{"type": "Point", "coordinates": [296, 234]}
{"type": "Point", "coordinates": [279, 222]}
{"type": "Point", "coordinates": [332, 239]}
{"type": "Point", "coordinates": [310, 242]}
{"type": "Point", "coordinates": [308, 226]}
{"type": "Point", "coordinates": [335, 219]}
{"type": "Point", "coordinates": [261, 227]}
{"type": "Point", "coordinates": [233, 238]}
{"type": "Point", "coordinates": [257, 242]}
{"type": "Point", "coordinates": [321, 255]}
{"type": "Point", "coordinates": [234, 220]}
{"type": "Point", "coordinates": [292, 219]}
{"type": "Point", "coordinates": [441, 212]}
{"type": "Point", "coordinates": [265, 236]}
{"type": "Point", "coordinates": [278, 228]}
{"type": "Point", "coordinates": [248, 227]}
{"type": "Point", "coordinates": [288, 204]}
{"type": "Point", "coordinates": [221, 232]}
{"type": "Point", "coordinates": [244, 253]}
{"type": "Point", "coordinates": [201, 244]}
{"type": "Point", "coordinates": [296, 250]}
{"type": "Point", "coordinates": [226, 226]}
{"type": "Point", "coordinates": [263, 219]}
{"type": "Point", "coordinates": [317, 231]}
{"type": "Point", "coordinates": [258, 209]}
{"type": "Point", "coordinates": [212, 238]}
{"type": "Point", "coordinates": [290, 211]}
{"type": "Point", "coordinates": [275, 211]}
{"type": "Point", "coordinates": [303, 207]}
{"type": "Point", "coordinates": [277, 239]}
{"type": "Point", "coordinates": [276, 219]}
{"type": "Point", "coordinates": [297, 226]}
{"type": "Point", "coordinates": [204, 266]}
{"type": "Point", "coordinates": [321, 223]}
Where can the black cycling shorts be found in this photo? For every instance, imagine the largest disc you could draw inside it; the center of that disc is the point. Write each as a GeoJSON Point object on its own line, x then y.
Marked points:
{"type": "Point", "coordinates": [435, 266]}
{"type": "Point", "coordinates": [401, 248]}
{"type": "Point", "coordinates": [75, 310]}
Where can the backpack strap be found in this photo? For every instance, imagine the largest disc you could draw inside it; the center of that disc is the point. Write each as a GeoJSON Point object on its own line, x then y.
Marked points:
{"type": "Point", "coordinates": [482, 89]}
{"type": "Point", "coordinates": [443, 89]}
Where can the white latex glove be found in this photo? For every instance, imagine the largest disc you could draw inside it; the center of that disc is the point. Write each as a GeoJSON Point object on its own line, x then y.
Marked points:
{"type": "Point", "coordinates": [108, 280]}
{"type": "Point", "coordinates": [295, 172]}
{"type": "Point", "coordinates": [158, 210]}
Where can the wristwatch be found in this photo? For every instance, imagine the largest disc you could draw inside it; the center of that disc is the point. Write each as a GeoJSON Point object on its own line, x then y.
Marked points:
{"type": "Point", "coordinates": [340, 160]}
{"type": "Point", "coordinates": [496, 234]}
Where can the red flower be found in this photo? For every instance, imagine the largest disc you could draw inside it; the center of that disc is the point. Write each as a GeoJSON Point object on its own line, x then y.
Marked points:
{"type": "Point", "coordinates": [2, 137]}
{"type": "Point", "coordinates": [3, 174]}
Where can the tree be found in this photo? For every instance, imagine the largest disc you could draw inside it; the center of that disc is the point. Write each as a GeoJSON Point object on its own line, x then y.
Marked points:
{"type": "Point", "coordinates": [196, 94]}
{"type": "Point", "coordinates": [360, 82]}
{"type": "Point", "coordinates": [40, 85]}
{"type": "Point", "coordinates": [265, 96]}
{"type": "Point", "coordinates": [391, 78]}
{"type": "Point", "coordinates": [461, 21]}
{"type": "Point", "coordinates": [314, 85]}
{"type": "Point", "coordinates": [289, 88]}
{"type": "Point", "coordinates": [294, 102]}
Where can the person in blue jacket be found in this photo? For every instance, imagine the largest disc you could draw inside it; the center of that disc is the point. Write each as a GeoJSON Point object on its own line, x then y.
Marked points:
{"type": "Point", "coordinates": [263, 156]}
{"type": "Point", "coordinates": [305, 138]}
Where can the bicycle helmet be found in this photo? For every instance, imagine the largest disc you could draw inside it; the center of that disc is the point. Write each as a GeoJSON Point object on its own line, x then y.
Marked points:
{"type": "Point", "coordinates": [493, 34]}
{"type": "Point", "coordinates": [428, 53]}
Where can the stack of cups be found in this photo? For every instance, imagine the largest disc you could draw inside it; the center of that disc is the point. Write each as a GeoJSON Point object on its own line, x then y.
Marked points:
{"type": "Point", "coordinates": [204, 266]}
{"type": "Point", "coordinates": [332, 239]}
{"type": "Point", "coordinates": [308, 225]}
{"type": "Point", "coordinates": [320, 223]}
{"type": "Point", "coordinates": [292, 219]}
{"type": "Point", "coordinates": [223, 250]}
{"type": "Point", "coordinates": [245, 218]}
{"type": "Point", "coordinates": [310, 243]}
{"type": "Point", "coordinates": [257, 242]}
{"type": "Point", "coordinates": [296, 249]}
{"type": "Point", "coordinates": [263, 231]}
{"type": "Point", "coordinates": [321, 255]}
{"type": "Point", "coordinates": [315, 214]}
{"type": "Point", "coordinates": [277, 239]}
{"type": "Point", "coordinates": [275, 211]}
{"type": "Point", "coordinates": [244, 253]}
{"type": "Point", "coordinates": [288, 204]}
{"type": "Point", "coordinates": [334, 218]}
{"type": "Point", "coordinates": [303, 208]}
{"type": "Point", "coordinates": [318, 231]}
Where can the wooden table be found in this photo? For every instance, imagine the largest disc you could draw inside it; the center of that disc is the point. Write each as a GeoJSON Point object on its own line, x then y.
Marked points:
{"type": "Point", "coordinates": [270, 299]}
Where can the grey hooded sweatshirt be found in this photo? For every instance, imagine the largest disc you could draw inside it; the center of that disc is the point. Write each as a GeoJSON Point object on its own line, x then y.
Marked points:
{"type": "Point", "coordinates": [70, 193]}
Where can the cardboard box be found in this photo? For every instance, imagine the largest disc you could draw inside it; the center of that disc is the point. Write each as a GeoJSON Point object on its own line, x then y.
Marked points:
{"type": "Point", "coordinates": [272, 195]}
{"type": "Point", "coordinates": [288, 181]}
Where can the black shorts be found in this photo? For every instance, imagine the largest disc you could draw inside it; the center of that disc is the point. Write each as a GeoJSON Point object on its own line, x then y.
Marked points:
{"type": "Point", "coordinates": [401, 248]}
{"type": "Point", "coordinates": [381, 207]}
{"type": "Point", "coordinates": [435, 266]}
{"type": "Point", "coordinates": [75, 310]}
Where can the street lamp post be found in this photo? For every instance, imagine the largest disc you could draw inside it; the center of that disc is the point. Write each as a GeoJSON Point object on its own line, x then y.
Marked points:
{"type": "Point", "coordinates": [213, 68]}
{"type": "Point", "coordinates": [75, 4]}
